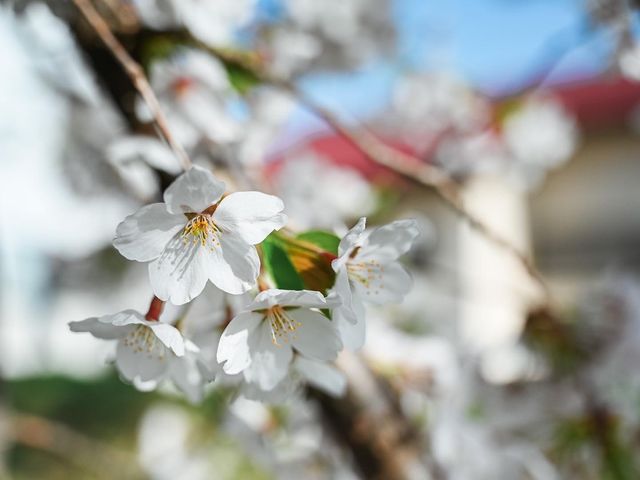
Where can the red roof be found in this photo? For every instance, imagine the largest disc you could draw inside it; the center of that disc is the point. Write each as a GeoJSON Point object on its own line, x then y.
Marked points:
{"type": "Point", "coordinates": [598, 104]}
{"type": "Point", "coordinates": [601, 103]}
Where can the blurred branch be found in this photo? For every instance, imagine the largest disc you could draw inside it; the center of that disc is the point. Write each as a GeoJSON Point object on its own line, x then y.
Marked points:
{"type": "Point", "coordinates": [135, 73]}
{"type": "Point", "coordinates": [60, 440]}
{"type": "Point", "coordinates": [405, 164]}
{"type": "Point", "coordinates": [369, 421]}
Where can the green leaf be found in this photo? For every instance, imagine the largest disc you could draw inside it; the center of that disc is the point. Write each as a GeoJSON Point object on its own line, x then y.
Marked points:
{"type": "Point", "coordinates": [279, 265]}
{"type": "Point", "coordinates": [325, 240]}
{"type": "Point", "coordinates": [241, 79]}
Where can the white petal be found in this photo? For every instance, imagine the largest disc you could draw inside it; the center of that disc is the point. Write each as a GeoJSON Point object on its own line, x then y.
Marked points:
{"type": "Point", "coordinates": [342, 290]}
{"type": "Point", "coordinates": [180, 273]}
{"type": "Point", "coordinates": [390, 241]}
{"type": "Point", "coordinates": [269, 362]}
{"type": "Point", "coordinates": [203, 67]}
{"type": "Point", "coordinates": [209, 116]}
{"type": "Point", "coordinates": [234, 265]}
{"type": "Point", "coordinates": [286, 392]}
{"type": "Point", "coordinates": [147, 149]}
{"type": "Point", "coordinates": [193, 191]}
{"type": "Point", "coordinates": [145, 386]}
{"type": "Point", "coordinates": [353, 334]}
{"type": "Point", "coordinates": [387, 283]}
{"type": "Point", "coordinates": [322, 376]}
{"type": "Point", "coordinates": [109, 327]}
{"type": "Point", "coordinates": [98, 329]}
{"type": "Point", "coordinates": [233, 349]}
{"type": "Point", "coordinates": [352, 237]}
{"type": "Point", "coordinates": [316, 337]}
{"type": "Point", "coordinates": [134, 364]}
{"type": "Point", "coordinates": [288, 298]}
{"type": "Point", "coordinates": [187, 375]}
{"type": "Point", "coordinates": [252, 215]}
{"type": "Point", "coordinates": [143, 235]}
{"type": "Point", "coordinates": [169, 335]}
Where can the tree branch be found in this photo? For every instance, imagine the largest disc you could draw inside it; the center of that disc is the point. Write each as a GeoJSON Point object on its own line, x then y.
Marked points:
{"type": "Point", "coordinates": [135, 73]}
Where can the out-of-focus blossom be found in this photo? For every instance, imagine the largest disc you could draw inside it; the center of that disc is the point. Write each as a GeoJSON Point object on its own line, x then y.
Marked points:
{"type": "Point", "coordinates": [303, 372]}
{"type": "Point", "coordinates": [212, 21]}
{"type": "Point", "coordinates": [165, 450]}
{"type": "Point", "coordinates": [323, 195]}
{"type": "Point", "coordinates": [367, 270]}
{"type": "Point", "coordinates": [436, 102]}
{"type": "Point", "coordinates": [194, 90]}
{"type": "Point", "coordinates": [203, 322]}
{"type": "Point", "coordinates": [261, 341]}
{"type": "Point", "coordinates": [327, 35]}
{"type": "Point", "coordinates": [477, 153]}
{"type": "Point", "coordinates": [269, 111]}
{"type": "Point", "coordinates": [540, 136]}
{"type": "Point", "coordinates": [149, 150]}
{"type": "Point", "coordinates": [629, 62]}
{"type": "Point", "coordinates": [62, 164]}
{"type": "Point", "coordinates": [135, 156]}
{"type": "Point", "coordinates": [197, 235]}
{"type": "Point", "coordinates": [608, 327]}
{"type": "Point", "coordinates": [291, 50]}
{"type": "Point", "coordinates": [55, 54]}
{"type": "Point", "coordinates": [291, 446]}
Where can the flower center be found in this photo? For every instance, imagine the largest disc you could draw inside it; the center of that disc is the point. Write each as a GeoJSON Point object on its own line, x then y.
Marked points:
{"type": "Point", "coordinates": [182, 85]}
{"type": "Point", "coordinates": [142, 340]}
{"type": "Point", "coordinates": [366, 273]}
{"type": "Point", "coordinates": [282, 325]}
{"type": "Point", "coordinates": [200, 229]}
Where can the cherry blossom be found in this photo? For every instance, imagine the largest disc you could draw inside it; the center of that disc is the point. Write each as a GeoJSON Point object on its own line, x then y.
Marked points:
{"type": "Point", "coordinates": [197, 235]}
{"type": "Point", "coordinates": [367, 270]}
{"type": "Point", "coordinates": [261, 341]}
{"type": "Point", "coordinates": [144, 347]}
{"type": "Point", "coordinates": [194, 91]}
{"type": "Point", "coordinates": [212, 21]}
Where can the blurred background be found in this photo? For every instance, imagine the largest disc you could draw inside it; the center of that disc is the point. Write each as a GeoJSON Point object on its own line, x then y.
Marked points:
{"type": "Point", "coordinates": [531, 108]}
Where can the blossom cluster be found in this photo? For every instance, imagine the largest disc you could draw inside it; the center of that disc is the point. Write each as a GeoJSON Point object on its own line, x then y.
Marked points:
{"type": "Point", "coordinates": [272, 335]}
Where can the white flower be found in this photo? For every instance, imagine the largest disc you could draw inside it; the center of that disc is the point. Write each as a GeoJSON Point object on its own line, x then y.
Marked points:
{"type": "Point", "coordinates": [191, 373]}
{"type": "Point", "coordinates": [367, 270]}
{"type": "Point", "coordinates": [303, 371]}
{"type": "Point", "coordinates": [540, 135]}
{"type": "Point", "coordinates": [150, 351]}
{"type": "Point", "coordinates": [135, 156]}
{"type": "Point", "coordinates": [324, 195]}
{"type": "Point", "coordinates": [261, 341]}
{"type": "Point", "coordinates": [194, 90]}
{"type": "Point", "coordinates": [144, 348]}
{"type": "Point", "coordinates": [196, 235]}
{"type": "Point", "coordinates": [212, 21]}
{"type": "Point", "coordinates": [203, 322]}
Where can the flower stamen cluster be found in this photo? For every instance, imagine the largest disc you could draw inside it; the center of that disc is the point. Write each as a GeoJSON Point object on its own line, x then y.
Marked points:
{"type": "Point", "coordinates": [283, 327]}
{"type": "Point", "coordinates": [203, 230]}
{"type": "Point", "coordinates": [143, 340]}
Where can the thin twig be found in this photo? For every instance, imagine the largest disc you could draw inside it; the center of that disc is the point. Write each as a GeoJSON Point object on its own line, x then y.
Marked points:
{"type": "Point", "coordinates": [135, 73]}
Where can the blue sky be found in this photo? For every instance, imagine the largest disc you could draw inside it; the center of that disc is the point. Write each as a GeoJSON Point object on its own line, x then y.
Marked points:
{"type": "Point", "coordinates": [494, 45]}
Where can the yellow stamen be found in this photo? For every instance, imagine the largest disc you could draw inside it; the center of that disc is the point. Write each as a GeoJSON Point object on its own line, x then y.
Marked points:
{"type": "Point", "coordinates": [282, 325]}
{"type": "Point", "coordinates": [200, 229]}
